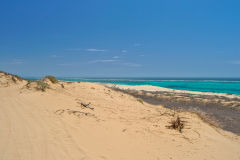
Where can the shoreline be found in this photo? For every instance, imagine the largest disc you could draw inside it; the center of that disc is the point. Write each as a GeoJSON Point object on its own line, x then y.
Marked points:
{"type": "Point", "coordinates": [217, 109]}
{"type": "Point", "coordinates": [150, 88]}
{"type": "Point", "coordinates": [160, 89]}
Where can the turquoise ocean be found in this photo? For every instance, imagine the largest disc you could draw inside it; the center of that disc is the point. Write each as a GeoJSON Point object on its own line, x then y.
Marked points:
{"type": "Point", "coordinates": [216, 85]}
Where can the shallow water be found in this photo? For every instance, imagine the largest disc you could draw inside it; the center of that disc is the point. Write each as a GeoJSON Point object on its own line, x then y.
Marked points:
{"type": "Point", "coordinates": [217, 85]}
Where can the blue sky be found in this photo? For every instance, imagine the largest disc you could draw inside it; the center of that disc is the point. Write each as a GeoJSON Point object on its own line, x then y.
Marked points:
{"type": "Point", "coordinates": [127, 38]}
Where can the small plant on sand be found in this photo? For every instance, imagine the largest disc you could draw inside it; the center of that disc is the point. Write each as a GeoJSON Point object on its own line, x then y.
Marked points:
{"type": "Point", "coordinates": [28, 85]}
{"type": "Point", "coordinates": [140, 100]}
{"type": "Point", "coordinates": [14, 80]}
{"type": "Point", "coordinates": [176, 124]}
{"type": "Point", "coordinates": [42, 86]}
{"type": "Point", "coordinates": [51, 78]}
{"type": "Point", "coordinates": [13, 77]}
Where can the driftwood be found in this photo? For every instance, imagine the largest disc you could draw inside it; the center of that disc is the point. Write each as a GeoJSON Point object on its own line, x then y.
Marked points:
{"type": "Point", "coordinates": [86, 105]}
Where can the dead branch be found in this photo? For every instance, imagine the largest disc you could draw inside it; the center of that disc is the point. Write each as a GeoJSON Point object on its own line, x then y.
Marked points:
{"type": "Point", "coordinates": [86, 105]}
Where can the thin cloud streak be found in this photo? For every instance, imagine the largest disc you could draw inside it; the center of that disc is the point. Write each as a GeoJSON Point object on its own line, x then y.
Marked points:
{"type": "Point", "coordinates": [102, 61]}
{"type": "Point", "coordinates": [73, 49]}
{"type": "Point", "coordinates": [68, 64]}
{"type": "Point", "coordinates": [137, 44]}
{"type": "Point", "coordinates": [129, 64]}
{"type": "Point", "coordinates": [13, 62]}
{"type": "Point", "coordinates": [95, 50]}
{"type": "Point", "coordinates": [54, 56]}
{"type": "Point", "coordinates": [235, 62]}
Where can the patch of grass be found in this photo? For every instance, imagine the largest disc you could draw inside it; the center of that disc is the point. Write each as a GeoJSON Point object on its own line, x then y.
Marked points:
{"type": "Point", "coordinates": [42, 86]}
{"type": "Point", "coordinates": [51, 78]}
{"type": "Point", "coordinates": [19, 78]}
{"type": "Point", "coordinates": [14, 80]}
{"type": "Point", "coordinates": [29, 83]}
{"type": "Point", "coordinates": [16, 77]}
{"type": "Point", "coordinates": [140, 100]}
{"type": "Point", "coordinates": [176, 124]}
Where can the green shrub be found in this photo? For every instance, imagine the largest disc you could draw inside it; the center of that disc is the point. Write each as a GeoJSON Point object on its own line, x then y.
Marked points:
{"type": "Point", "coordinates": [52, 79]}
{"type": "Point", "coordinates": [140, 100]}
{"type": "Point", "coordinates": [42, 86]}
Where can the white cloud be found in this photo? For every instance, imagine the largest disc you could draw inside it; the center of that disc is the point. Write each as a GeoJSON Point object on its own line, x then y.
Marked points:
{"type": "Point", "coordinates": [95, 50]}
{"type": "Point", "coordinates": [73, 49]}
{"type": "Point", "coordinates": [88, 50]}
{"type": "Point", "coordinates": [16, 61]}
{"type": "Point", "coordinates": [124, 51]}
{"type": "Point", "coordinates": [115, 57]}
{"type": "Point", "coordinates": [137, 44]}
{"type": "Point", "coordinates": [235, 62]}
{"type": "Point", "coordinates": [129, 64]}
{"type": "Point", "coordinates": [68, 64]}
{"type": "Point", "coordinates": [102, 61]}
{"type": "Point", "coordinates": [13, 62]}
{"type": "Point", "coordinates": [53, 56]}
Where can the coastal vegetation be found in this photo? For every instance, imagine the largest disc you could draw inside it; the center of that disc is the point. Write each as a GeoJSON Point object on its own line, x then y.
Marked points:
{"type": "Point", "coordinates": [42, 86]}
{"type": "Point", "coordinates": [140, 100]}
{"type": "Point", "coordinates": [51, 78]}
{"type": "Point", "coordinates": [14, 77]}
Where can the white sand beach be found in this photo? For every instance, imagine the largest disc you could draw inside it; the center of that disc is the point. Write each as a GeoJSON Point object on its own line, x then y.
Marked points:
{"type": "Point", "coordinates": [54, 124]}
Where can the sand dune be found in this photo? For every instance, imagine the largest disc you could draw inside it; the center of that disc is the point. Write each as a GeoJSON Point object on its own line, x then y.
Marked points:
{"type": "Point", "coordinates": [55, 125]}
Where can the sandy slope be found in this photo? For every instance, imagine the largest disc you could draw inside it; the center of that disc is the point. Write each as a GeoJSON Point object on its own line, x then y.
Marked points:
{"type": "Point", "coordinates": [51, 125]}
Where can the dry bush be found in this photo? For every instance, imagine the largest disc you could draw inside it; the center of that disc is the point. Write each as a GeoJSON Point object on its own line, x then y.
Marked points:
{"type": "Point", "coordinates": [176, 124]}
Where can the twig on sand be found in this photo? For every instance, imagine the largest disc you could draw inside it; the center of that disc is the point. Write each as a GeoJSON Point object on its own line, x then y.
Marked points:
{"type": "Point", "coordinates": [86, 105]}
